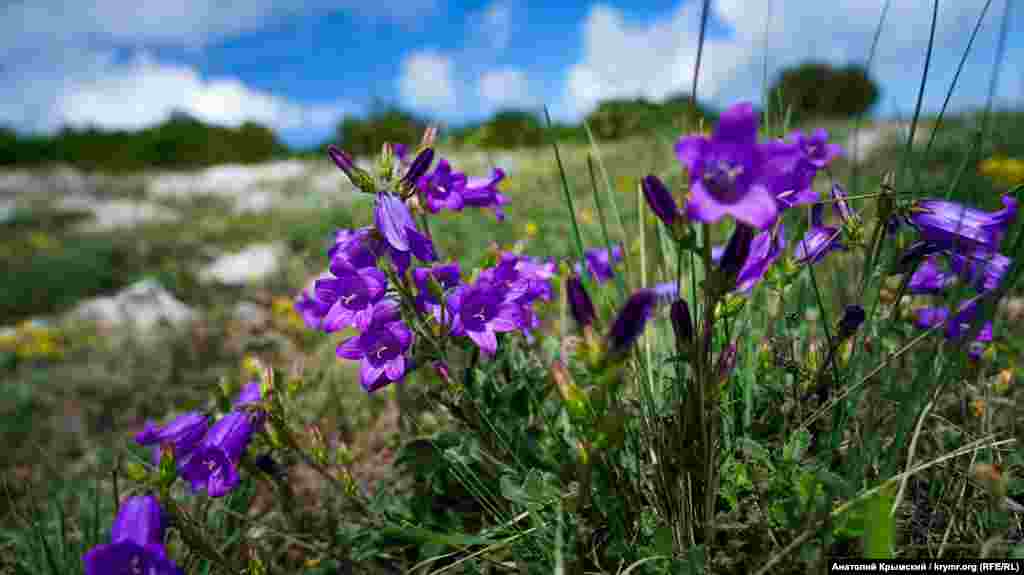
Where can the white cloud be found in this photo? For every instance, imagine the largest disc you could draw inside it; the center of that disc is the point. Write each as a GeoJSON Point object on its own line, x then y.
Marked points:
{"type": "Point", "coordinates": [426, 82]}
{"type": "Point", "coordinates": [505, 88]}
{"type": "Point", "coordinates": [59, 62]}
{"type": "Point", "coordinates": [656, 58]}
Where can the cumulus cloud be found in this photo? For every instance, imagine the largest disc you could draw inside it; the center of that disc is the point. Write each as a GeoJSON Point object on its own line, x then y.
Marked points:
{"type": "Point", "coordinates": [655, 59]}
{"type": "Point", "coordinates": [426, 82]}
{"type": "Point", "coordinates": [505, 88]}
{"type": "Point", "coordinates": [59, 61]}
{"type": "Point", "coordinates": [145, 92]}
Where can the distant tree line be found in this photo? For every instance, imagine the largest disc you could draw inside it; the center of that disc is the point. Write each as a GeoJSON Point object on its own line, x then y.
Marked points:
{"type": "Point", "coordinates": [809, 91]}
{"type": "Point", "coordinates": [179, 142]}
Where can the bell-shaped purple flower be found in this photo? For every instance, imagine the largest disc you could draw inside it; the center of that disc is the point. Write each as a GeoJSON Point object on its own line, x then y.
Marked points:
{"type": "Point", "coordinates": [818, 241]}
{"type": "Point", "coordinates": [930, 278]}
{"type": "Point", "coordinates": [395, 223]}
{"type": "Point", "coordinates": [311, 309]}
{"type": "Point", "coordinates": [136, 542]}
{"type": "Point", "coordinates": [183, 433]}
{"type": "Point", "coordinates": [955, 226]}
{"type": "Point", "coordinates": [682, 323]}
{"type": "Point", "coordinates": [480, 312]}
{"type": "Point", "coordinates": [443, 188]}
{"type": "Point", "coordinates": [213, 464]}
{"type": "Point", "coordinates": [483, 193]}
{"type": "Point", "coordinates": [815, 149]}
{"type": "Point", "coordinates": [982, 270]}
{"type": "Point", "coordinates": [352, 294]}
{"type": "Point", "coordinates": [356, 248]}
{"type": "Point", "coordinates": [660, 200]}
{"type": "Point", "coordinates": [725, 172]}
{"type": "Point", "coordinates": [956, 326]}
{"type": "Point", "coordinates": [787, 175]}
{"type": "Point", "coordinates": [380, 349]}
{"type": "Point", "coordinates": [631, 320]}
{"type": "Point", "coordinates": [764, 250]}
{"type": "Point", "coordinates": [580, 304]}
{"type": "Point", "coordinates": [599, 262]}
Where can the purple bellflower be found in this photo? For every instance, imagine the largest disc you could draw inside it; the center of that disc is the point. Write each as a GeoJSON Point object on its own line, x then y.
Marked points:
{"type": "Point", "coordinates": [599, 262]}
{"type": "Point", "coordinates": [788, 175]}
{"type": "Point", "coordinates": [818, 241]}
{"type": "Point", "coordinates": [725, 172]}
{"type": "Point", "coordinates": [480, 312]}
{"type": "Point", "coordinates": [309, 307]}
{"type": "Point", "coordinates": [483, 193]}
{"type": "Point", "coordinates": [183, 433]}
{"type": "Point", "coordinates": [764, 250]}
{"type": "Point", "coordinates": [136, 545]}
{"type": "Point", "coordinates": [983, 270]}
{"type": "Point", "coordinates": [631, 320]}
{"type": "Point", "coordinates": [930, 278]}
{"type": "Point", "coordinates": [958, 325]}
{"type": "Point", "coordinates": [842, 205]}
{"type": "Point", "coordinates": [418, 167]}
{"type": "Point", "coordinates": [395, 223]}
{"type": "Point", "coordinates": [381, 348]}
{"type": "Point", "coordinates": [815, 148]}
{"type": "Point", "coordinates": [356, 248]}
{"type": "Point", "coordinates": [952, 225]}
{"type": "Point", "coordinates": [352, 294]}
{"type": "Point", "coordinates": [213, 464]}
{"type": "Point", "coordinates": [443, 188]}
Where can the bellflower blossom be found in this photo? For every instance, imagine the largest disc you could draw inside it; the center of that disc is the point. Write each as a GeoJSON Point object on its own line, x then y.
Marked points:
{"type": "Point", "coordinates": [310, 308]}
{"type": "Point", "coordinates": [443, 188]}
{"type": "Point", "coordinates": [381, 348]}
{"type": "Point", "coordinates": [958, 325]}
{"type": "Point", "coordinates": [183, 434]}
{"type": "Point", "coordinates": [483, 193]}
{"type": "Point", "coordinates": [725, 172]}
{"type": "Point", "coordinates": [136, 545]}
{"type": "Point", "coordinates": [982, 270]}
{"type": "Point", "coordinates": [395, 223]}
{"type": "Point", "coordinates": [599, 262]}
{"type": "Point", "coordinates": [480, 312]}
{"type": "Point", "coordinates": [952, 225]}
{"type": "Point", "coordinates": [357, 248]}
{"type": "Point", "coordinates": [818, 241]}
{"type": "Point", "coordinates": [352, 294]}
{"type": "Point", "coordinates": [766, 247]}
{"type": "Point", "coordinates": [930, 278]}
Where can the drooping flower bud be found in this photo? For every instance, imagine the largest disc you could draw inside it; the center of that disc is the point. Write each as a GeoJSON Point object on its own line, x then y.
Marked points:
{"type": "Point", "coordinates": [418, 167]}
{"type": "Point", "coordinates": [630, 322]}
{"type": "Point", "coordinates": [737, 250]}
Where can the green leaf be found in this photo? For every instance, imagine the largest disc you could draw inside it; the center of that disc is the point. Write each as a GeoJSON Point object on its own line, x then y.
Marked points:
{"type": "Point", "coordinates": [880, 534]}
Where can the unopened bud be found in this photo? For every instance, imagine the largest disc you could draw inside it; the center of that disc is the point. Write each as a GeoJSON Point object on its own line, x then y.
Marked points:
{"type": "Point", "coordinates": [136, 472]}
{"type": "Point", "coordinates": [682, 323]}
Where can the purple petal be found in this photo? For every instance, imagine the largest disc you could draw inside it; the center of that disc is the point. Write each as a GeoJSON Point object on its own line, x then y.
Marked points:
{"type": "Point", "coordinates": [395, 368]}
{"type": "Point", "coordinates": [737, 125]}
{"type": "Point", "coordinates": [350, 349]}
{"type": "Point", "coordinates": [393, 221]}
{"type": "Point", "coordinates": [486, 340]}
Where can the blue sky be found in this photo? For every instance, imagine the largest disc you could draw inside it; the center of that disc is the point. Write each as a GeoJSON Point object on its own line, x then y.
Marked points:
{"type": "Point", "coordinates": [301, 66]}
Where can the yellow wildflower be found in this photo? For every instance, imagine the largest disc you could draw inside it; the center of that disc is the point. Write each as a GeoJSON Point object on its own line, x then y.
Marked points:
{"type": "Point", "coordinates": [586, 216]}
{"type": "Point", "coordinates": [284, 310]}
{"type": "Point", "coordinates": [531, 229]}
{"type": "Point", "coordinates": [1008, 171]}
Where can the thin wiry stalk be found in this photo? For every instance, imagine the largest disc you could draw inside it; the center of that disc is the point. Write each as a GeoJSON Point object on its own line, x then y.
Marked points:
{"type": "Point", "coordinates": [619, 281]}
{"type": "Point", "coordinates": [609, 190]}
{"type": "Point", "coordinates": [867, 67]}
{"type": "Point", "coordinates": [565, 188]}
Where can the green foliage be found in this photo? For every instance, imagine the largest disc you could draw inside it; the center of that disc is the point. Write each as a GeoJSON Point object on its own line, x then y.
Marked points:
{"type": "Point", "coordinates": [366, 136]}
{"type": "Point", "coordinates": [179, 142]}
{"type": "Point", "coordinates": [818, 90]}
{"type": "Point", "coordinates": [618, 119]}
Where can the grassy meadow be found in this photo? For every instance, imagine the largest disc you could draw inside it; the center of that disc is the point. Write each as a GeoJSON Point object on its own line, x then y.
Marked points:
{"type": "Point", "coordinates": [75, 393]}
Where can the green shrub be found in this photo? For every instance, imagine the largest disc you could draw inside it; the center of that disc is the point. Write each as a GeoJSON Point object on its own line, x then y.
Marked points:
{"type": "Point", "coordinates": [817, 90]}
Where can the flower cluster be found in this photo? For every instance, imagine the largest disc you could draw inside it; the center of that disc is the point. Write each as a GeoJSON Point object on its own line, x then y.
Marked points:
{"type": "Point", "coordinates": [402, 317]}
{"type": "Point", "coordinates": [136, 542]}
{"type": "Point", "coordinates": [957, 243]}
{"type": "Point", "coordinates": [732, 174]}
{"type": "Point", "coordinates": [208, 456]}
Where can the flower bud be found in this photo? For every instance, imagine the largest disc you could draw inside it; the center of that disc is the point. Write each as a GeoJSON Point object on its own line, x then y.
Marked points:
{"type": "Point", "coordinates": [660, 200]}
{"type": "Point", "coordinates": [682, 323]}
{"type": "Point", "coordinates": [356, 175]}
{"type": "Point", "coordinates": [580, 304]}
{"type": "Point", "coordinates": [136, 472]}
{"type": "Point", "coordinates": [418, 167]}
{"type": "Point", "coordinates": [168, 469]}
{"type": "Point", "coordinates": [852, 318]}
{"type": "Point", "coordinates": [736, 251]}
{"type": "Point", "coordinates": [726, 362]}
